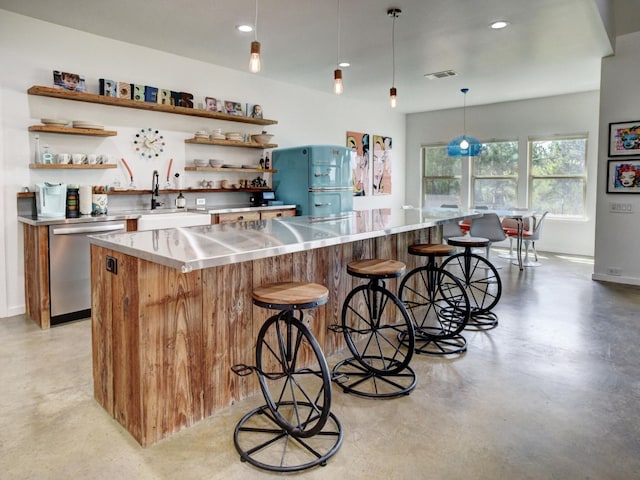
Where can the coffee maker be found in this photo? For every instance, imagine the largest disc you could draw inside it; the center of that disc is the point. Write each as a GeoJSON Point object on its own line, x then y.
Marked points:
{"type": "Point", "coordinates": [51, 200]}
{"type": "Point", "coordinates": [256, 199]}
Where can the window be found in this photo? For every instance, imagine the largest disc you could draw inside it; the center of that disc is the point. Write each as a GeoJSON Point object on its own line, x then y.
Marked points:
{"type": "Point", "coordinates": [558, 175]}
{"type": "Point", "coordinates": [442, 176]}
{"type": "Point", "coordinates": [495, 175]}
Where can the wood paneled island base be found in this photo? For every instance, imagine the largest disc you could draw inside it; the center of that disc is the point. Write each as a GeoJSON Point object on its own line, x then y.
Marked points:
{"type": "Point", "coordinates": [164, 341]}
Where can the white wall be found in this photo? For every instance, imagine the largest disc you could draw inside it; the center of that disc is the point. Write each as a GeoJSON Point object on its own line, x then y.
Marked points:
{"type": "Point", "coordinates": [566, 114]}
{"type": "Point", "coordinates": [30, 50]}
{"type": "Point", "coordinates": [616, 233]}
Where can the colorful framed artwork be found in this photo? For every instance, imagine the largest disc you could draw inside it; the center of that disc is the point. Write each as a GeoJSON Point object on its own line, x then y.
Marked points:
{"type": "Point", "coordinates": [623, 176]}
{"type": "Point", "coordinates": [382, 161]}
{"type": "Point", "coordinates": [358, 145]}
{"type": "Point", "coordinates": [624, 139]}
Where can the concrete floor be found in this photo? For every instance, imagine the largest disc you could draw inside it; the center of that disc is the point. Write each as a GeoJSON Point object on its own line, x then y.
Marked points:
{"type": "Point", "coordinates": [552, 393]}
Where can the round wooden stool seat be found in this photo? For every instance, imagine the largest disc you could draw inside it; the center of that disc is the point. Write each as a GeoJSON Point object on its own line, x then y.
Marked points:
{"type": "Point", "coordinates": [432, 249]}
{"type": "Point", "coordinates": [473, 242]}
{"type": "Point", "coordinates": [376, 268]}
{"type": "Point", "coordinates": [290, 295]}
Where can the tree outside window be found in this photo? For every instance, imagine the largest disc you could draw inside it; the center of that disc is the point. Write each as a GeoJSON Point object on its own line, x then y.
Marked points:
{"type": "Point", "coordinates": [558, 175]}
{"type": "Point", "coordinates": [442, 175]}
{"type": "Point", "coordinates": [495, 175]}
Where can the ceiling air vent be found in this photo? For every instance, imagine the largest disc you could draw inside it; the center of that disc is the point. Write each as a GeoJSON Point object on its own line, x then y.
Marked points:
{"type": "Point", "coordinates": [443, 74]}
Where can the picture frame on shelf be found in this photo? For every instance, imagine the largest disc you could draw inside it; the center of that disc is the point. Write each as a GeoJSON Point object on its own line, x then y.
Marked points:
{"type": "Point", "coordinates": [232, 108]}
{"type": "Point", "coordinates": [72, 82]}
{"type": "Point", "coordinates": [254, 110]}
{"type": "Point", "coordinates": [623, 176]}
{"type": "Point", "coordinates": [212, 104]}
{"type": "Point", "coordinates": [624, 138]}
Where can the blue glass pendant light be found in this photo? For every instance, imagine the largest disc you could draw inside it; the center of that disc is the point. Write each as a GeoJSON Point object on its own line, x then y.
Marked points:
{"type": "Point", "coordinates": [464, 145]}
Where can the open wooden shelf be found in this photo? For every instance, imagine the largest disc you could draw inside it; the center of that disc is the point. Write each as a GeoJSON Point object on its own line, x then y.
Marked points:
{"type": "Point", "coordinates": [156, 107]}
{"type": "Point", "coordinates": [63, 166]}
{"type": "Point", "coordinates": [73, 131]}
{"type": "Point", "coordinates": [221, 169]}
{"type": "Point", "coordinates": [230, 143]}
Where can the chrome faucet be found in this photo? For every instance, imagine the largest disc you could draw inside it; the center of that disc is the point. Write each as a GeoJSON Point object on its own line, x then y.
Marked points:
{"type": "Point", "coordinates": [155, 190]}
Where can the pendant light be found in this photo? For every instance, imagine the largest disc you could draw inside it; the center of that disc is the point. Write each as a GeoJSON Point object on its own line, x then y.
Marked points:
{"type": "Point", "coordinates": [338, 88]}
{"type": "Point", "coordinates": [393, 93]}
{"type": "Point", "coordinates": [254, 60]}
{"type": "Point", "coordinates": [464, 145]}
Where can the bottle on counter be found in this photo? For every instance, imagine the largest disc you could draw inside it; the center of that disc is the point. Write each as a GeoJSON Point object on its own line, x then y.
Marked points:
{"type": "Point", "coordinates": [181, 202]}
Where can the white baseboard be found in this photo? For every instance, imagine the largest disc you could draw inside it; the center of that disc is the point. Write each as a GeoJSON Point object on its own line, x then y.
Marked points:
{"type": "Point", "coordinates": [615, 279]}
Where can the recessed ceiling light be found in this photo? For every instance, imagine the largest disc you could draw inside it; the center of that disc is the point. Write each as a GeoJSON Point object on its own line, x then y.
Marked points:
{"type": "Point", "coordinates": [499, 24]}
{"type": "Point", "coordinates": [344, 64]}
{"type": "Point", "coordinates": [245, 28]}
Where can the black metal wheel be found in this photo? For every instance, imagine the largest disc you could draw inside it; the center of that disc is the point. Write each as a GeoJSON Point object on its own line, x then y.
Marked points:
{"type": "Point", "coordinates": [436, 302]}
{"type": "Point", "coordinates": [372, 318]}
{"type": "Point", "coordinates": [294, 375]}
{"type": "Point", "coordinates": [479, 278]}
{"type": "Point", "coordinates": [262, 443]}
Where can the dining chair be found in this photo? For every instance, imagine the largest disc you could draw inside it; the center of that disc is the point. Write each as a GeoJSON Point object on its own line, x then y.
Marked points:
{"type": "Point", "coordinates": [488, 226]}
{"type": "Point", "coordinates": [453, 228]}
{"type": "Point", "coordinates": [510, 227]}
{"type": "Point", "coordinates": [529, 239]}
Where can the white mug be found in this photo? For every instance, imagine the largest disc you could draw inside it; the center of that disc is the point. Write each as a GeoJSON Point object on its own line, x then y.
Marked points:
{"type": "Point", "coordinates": [78, 158]}
{"type": "Point", "coordinates": [92, 159]}
{"type": "Point", "coordinates": [63, 158]}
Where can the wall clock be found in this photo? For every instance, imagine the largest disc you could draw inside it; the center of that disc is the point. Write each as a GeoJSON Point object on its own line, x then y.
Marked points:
{"type": "Point", "coordinates": [149, 143]}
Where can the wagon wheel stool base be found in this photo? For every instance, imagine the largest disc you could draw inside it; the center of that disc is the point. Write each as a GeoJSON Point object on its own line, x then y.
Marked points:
{"type": "Point", "coordinates": [480, 278]}
{"type": "Point", "coordinates": [295, 429]}
{"type": "Point", "coordinates": [372, 318]}
{"type": "Point", "coordinates": [437, 303]}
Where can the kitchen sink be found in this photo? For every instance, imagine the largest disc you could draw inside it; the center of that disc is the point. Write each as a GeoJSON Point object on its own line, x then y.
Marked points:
{"type": "Point", "coordinates": [158, 219]}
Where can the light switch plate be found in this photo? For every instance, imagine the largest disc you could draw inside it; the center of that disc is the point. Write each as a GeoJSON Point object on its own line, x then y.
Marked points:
{"type": "Point", "coordinates": [201, 201]}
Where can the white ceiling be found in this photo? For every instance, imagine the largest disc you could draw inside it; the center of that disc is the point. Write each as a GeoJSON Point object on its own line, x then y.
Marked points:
{"type": "Point", "coordinates": [551, 47]}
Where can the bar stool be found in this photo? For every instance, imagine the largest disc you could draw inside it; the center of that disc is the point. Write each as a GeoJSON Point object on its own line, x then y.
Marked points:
{"type": "Point", "coordinates": [436, 301]}
{"type": "Point", "coordinates": [372, 319]}
{"type": "Point", "coordinates": [295, 430]}
{"type": "Point", "coordinates": [480, 279]}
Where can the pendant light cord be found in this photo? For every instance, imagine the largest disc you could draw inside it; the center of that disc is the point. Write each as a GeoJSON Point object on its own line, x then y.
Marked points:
{"type": "Point", "coordinates": [393, 51]}
{"type": "Point", "coordinates": [338, 35]}
{"type": "Point", "coordinates": [255, 25]}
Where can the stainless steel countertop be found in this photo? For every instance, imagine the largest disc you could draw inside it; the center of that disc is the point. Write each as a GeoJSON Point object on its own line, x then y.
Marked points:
{"type": "Point", "coordinates": [135, 214]}
{"type": "Point", "coordinates": [193, 248]}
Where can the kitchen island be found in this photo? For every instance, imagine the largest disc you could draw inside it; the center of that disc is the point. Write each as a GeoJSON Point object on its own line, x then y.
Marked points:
{"type": "Point", "coordinates": [172, 309]}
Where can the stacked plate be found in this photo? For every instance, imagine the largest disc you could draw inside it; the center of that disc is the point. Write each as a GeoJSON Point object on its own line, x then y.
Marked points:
{"type": "Point", "coordinates": [54, 122]}
{"type": "Point", "coordinates": [86, 124]}
{"type": "Point", "coordinates": [234, 136]}
{"type": "Point", "coordinates": [202, 134]}
{"type": "Point", "coordinates": [218, 136]}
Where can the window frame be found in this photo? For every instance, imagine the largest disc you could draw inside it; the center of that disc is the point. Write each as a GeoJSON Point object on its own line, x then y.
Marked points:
{"type": "Point", "coordinates": [515, 178]}
{"type": "Point", "coordinates": [584, 176]}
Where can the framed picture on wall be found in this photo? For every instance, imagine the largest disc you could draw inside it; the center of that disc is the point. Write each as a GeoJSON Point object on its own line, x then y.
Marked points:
{"type": "Point", "coordinates": [623, 176]}
{"type": "Point", "coordinates": [624, 139]}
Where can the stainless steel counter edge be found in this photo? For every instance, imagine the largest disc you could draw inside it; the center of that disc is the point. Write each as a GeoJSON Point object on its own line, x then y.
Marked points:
{"type": "Point", "coordinates": [194, 248]}
{"type": "Point", "coordinates": [136, 214]}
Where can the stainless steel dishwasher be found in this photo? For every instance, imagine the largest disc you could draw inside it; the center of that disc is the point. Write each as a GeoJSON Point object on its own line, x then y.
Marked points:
{"type": "Point", "coordinates": [70, 268]}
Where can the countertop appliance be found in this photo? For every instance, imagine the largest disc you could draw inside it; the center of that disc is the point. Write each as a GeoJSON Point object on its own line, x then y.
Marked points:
{"type": "Point", "coordinates": [70, 268]}
{"type": "Point", "coordinates": [51, 200]}
{"type": "Point", "coordinates": [316, 178]}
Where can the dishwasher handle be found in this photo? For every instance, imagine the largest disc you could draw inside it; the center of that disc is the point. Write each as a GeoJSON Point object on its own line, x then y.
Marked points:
{"type": "Point", "coordinates": [88, 229]}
